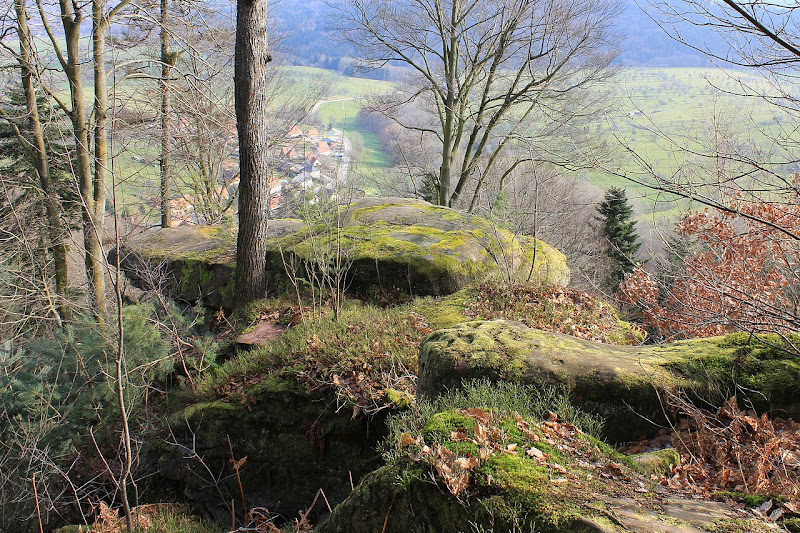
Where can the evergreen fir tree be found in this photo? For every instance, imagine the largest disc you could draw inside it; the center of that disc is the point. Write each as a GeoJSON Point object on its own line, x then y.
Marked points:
{"type": "Point", "coordinates": [620, 234]}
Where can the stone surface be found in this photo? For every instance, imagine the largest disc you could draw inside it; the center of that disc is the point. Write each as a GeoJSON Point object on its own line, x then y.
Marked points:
{"type": "Point", "coordinates": [388, 245]}
{"type": "Point", "coordinates": [623, 384]}
{"type": "Point", "coordinates": [381, 503]}
{"type": "Point", "coordinates": [263, 331]}
{"type": "Point", "coordinates": [294, 442]}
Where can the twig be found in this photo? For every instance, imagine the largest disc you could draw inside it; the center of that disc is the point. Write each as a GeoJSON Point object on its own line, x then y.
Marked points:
{"type": "Point", "coordinates": [386, 520]}
{"type": "Point", "coordinates": [36, 499]}
{"type": "Point", "coordinates": [236, 466]}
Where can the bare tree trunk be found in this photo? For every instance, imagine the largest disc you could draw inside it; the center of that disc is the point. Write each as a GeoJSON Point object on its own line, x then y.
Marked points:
{"type": "Point", "coordinates": [449, 112]}
{"type": "Point", "coordinates": [94, 249]}
{"type": "Point", "coordinates": [56, 230]}
{"type": "Point", "coordinates": [167, 61]}
{"type": "Point", "coordinates": [71, 19]}
{"type": "Point", "coordinates": [251, 59]}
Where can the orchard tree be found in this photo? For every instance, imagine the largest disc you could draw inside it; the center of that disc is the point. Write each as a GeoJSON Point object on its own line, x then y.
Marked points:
{"type": "Point", "coordinates": [619, 232]}
{"type": "Point", "coordinates": [484, 74]}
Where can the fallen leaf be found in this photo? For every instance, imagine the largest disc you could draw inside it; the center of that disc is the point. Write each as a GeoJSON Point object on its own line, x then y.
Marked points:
{"type": "Point", "coordinates": [792, 507]}
{"type": "Point", "coordinates": [535, 452]}
{"type": "Point", "coordinates": [467, 463]}
{"type": "Point", "coordinates": [406, 440]}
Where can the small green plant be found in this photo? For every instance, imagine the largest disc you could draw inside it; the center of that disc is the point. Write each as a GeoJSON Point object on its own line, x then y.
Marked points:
{"type": "Point", "coordinates": [360, 355]}
{"type": "Point", "coordinates": [500, 397]}
{"type": "Point", "coordinates": [56, 405]}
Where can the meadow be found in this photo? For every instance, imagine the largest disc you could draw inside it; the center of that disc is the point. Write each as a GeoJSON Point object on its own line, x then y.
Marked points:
{"type": "Point", "coordinates": [658, 113]}
{"type": "Point", "coordinates": [668, 116]}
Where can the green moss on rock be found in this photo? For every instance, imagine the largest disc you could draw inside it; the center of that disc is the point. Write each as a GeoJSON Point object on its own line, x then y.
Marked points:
{"type": "Point", "coordinates": [512, 490]}
{"type": "Point", "coordinates": [390, 245]}
{"type": "Point", "coordinates": [295, 442]}
{"type": "Point", "coordinates": [658, 462]}
{"type": "Point", "coordinates": [605, 379]}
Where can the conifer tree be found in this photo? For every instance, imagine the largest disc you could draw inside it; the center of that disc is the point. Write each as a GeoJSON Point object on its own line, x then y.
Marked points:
{"type": "Point", "coordinates": [619, 232]}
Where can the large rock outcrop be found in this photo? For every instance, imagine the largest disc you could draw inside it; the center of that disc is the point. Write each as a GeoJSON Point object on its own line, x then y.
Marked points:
{"type": "Point", "coordinates": [623, 384]}
{"type": "Point", "coordinates": [387, 245]}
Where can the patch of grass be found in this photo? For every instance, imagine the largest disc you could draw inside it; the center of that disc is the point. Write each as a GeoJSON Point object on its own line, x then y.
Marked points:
{"type": "Point", "coordinates": [170, 520]}
{"type": "Point", "coordinates": [748, 500]}
{"type": "Point", "coordinates": [359, 356]}
{"type": "Point", "coordinates": [736, 525]}
{"type": "Point", "coordinates": [498, 397]}
{"type": "Point", "coordinates": [151, 518]}
{"type": "Point", "coordinates": [792, 524]}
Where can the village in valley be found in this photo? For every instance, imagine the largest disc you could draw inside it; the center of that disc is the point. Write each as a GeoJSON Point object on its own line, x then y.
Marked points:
{"type": "Point", "coordinates": [309, 163]}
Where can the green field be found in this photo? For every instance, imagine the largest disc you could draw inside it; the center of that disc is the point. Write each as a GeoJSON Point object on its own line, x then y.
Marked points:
{"type": "Point", "coordinates": [345, 97]}
{"type": "Point", "coordinates": [342, 115]}
{"type": "Point", "coordinates": [656, 112]}
{"type": "Point", "coordinates": [339, 86]}
{"type": "Point", "coordinates": [660, 113]}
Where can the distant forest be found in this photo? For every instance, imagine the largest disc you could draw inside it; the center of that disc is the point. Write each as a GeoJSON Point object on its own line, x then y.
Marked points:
{"type": "Point", "coordinates": [310, 42]}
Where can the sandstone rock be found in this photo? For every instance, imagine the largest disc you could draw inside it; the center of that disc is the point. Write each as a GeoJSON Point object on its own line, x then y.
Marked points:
{"type": "Point", "coordinates": [389, 245]}
{"type": "Point", "coordinates": [589, 489]}
{"type": "Point", "coordinates": [623, 384]}
{"type": "Point", "coordinates": [294, 442]}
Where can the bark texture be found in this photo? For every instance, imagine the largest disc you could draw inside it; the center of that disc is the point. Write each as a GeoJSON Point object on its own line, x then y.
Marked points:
{"type": "Point", "coordinates": [167, 61]}
{"type": "Point", "coordinates": [93, 235]}
{"type": "Point", "coordinates": [71, 19]}
{"type": "Point", "coordinates": [251, 60]}
{"type": "Point", "coordinates": [38, 149]}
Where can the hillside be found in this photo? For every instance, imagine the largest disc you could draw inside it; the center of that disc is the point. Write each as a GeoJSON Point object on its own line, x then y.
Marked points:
{"type": "Point", "coordinates": [487, 406]}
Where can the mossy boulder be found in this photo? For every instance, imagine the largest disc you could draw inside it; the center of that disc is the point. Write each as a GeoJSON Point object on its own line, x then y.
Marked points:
{"type": "Point", "coordinates": [387, 244]}
{"type": "Point", "coordinates": [411, 246]}
{"type": "Point", "coordinates": [190, 263]}
{"type": "Point", "coordinates": [294, 442]}
{"type": "Point", "coordinates": [623, 384]}
{"type": "Point", "coordinates": [571, 484]}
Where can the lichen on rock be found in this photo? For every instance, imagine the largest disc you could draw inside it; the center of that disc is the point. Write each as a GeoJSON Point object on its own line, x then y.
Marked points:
{"type": "Point", "coordinates": [475, 469]}
{"type": "Point", "coordinates": [388, 245]}
{"type": "Point", "coordinates": [623, 384]}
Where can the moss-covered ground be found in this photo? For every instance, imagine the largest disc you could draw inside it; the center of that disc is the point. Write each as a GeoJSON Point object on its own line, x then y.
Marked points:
{"type": "Point", "coordinates": [472, 462]}
{"type": "Point", "coordinates": [368, 354]}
